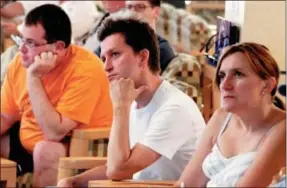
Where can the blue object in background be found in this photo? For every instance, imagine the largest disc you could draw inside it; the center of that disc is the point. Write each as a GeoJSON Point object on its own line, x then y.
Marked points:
{"type": "Point", "coordinates": [282, 90]}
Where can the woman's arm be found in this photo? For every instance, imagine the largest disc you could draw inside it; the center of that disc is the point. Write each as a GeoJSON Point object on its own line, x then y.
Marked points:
{"type": "Point", "coordinates": [193, 175]}
{"type": "Point", "coordinates": [271, 157]}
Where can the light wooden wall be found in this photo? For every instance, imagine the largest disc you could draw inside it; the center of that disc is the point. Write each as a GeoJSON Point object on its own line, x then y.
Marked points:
{"type": "Point", "coordinates": [263, 22]}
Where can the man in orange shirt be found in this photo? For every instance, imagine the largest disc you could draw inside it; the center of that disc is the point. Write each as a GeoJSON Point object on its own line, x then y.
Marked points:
{"type": "Point", "coordinates": [52, 87]}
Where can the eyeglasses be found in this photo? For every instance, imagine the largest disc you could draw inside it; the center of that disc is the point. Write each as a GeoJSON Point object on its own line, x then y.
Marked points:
{"type": "Point", "coordinates": [138, 7]}
{"type": "Point", "coordinates": [27, 42]}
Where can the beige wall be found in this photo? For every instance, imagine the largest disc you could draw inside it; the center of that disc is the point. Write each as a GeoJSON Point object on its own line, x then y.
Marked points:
{"type": "Point", "coordinates": [263, 22]}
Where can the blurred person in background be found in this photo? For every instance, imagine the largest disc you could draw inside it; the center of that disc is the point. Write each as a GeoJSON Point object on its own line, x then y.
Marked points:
{"type": "Point", "coordinates": [81, 13]}
{"type": "Point", "coordinates": [90, 40]}
{"type": "Point", "coordinates": [149, 11]}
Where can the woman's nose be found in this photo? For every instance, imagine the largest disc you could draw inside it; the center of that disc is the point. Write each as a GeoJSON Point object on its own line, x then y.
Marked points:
{"type": "Point", "coordinates": [226, 83]}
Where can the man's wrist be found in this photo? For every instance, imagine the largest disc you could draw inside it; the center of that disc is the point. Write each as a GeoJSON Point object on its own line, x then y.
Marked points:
{"type": "Point", "coordinates": [32, 75]}
{"type": "Point", "coordinates": [33, 81]}
{"type": "Point", "coordinates": [118, 106]}
{"type": "Point", "coordinates": [76, 181]}
{"type": "Point", "coordinates": [72, 181]}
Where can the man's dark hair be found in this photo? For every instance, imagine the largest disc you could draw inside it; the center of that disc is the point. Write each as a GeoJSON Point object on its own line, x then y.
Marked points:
{"type": "Point", "coordinates": [138, 35]}
{"type": "Point", "coordinates": [154, 3]}
{"type": "Point", "coordinates": [55, 22]}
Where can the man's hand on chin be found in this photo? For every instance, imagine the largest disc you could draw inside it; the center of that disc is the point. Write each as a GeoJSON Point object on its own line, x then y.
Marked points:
{"type": "Point", "coordinates": [43, 64]}
{"type": "Point", "coordinates": [123, 92]}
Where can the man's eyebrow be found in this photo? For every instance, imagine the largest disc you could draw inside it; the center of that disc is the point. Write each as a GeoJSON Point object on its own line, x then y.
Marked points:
{"type": "Point", "coordinates": [110, 50]}
{"type": "Point", "coordinates": [31, 40]}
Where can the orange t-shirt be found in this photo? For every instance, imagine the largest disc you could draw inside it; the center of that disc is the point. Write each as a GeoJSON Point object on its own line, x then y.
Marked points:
{"type": "Point", "coordinates": [78, 88]}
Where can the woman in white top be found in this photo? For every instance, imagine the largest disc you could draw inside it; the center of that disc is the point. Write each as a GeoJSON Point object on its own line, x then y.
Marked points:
{"type": "Point", "coordinates": [244, 143]}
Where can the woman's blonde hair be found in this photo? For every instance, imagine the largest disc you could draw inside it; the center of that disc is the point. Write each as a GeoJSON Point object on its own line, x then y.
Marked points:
{"type": "Point", "coordinates": [259, 58]}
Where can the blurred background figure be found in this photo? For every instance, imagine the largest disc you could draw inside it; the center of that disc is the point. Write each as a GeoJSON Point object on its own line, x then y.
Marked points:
{"type": "Point", "coordinates": [146, 10]}
{"type": "Point", "coordinates": [90, 40]}
{"type": "Point", "coordinates": [177, 4]}
{"type": "Point", "coordinates": [81, 13]}
{"type": "Point", "coordinates": [112, 6]}
{"type": "Point", "coordinates": [282, 90]}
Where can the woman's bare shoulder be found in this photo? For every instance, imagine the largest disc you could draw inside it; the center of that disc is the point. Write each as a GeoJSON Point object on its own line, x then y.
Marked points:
{"type": "Point", "coordinates": [280, 120]}
{"type": "Point", "coordinates": [218, 117]}
{"type": "Point", "coordinates": [277, 134]}
{"type": "Point", "coordinates": [215, 122]}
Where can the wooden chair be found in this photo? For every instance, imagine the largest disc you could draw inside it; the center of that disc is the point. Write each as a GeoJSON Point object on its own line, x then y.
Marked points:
{"type": "Point", "coordinates": [89, 142]}
{"type": "Point", "coordinates": [71, 166]}
{"type": "Point", "coordinates": [190, 90]}
{"type": "Point", "coordinates": [84, 143]}
{"type": "Point", "coordinates": [184, 72]}
{"type": "Point", "coordinates": [88, 149]}
{"type": "Point", "coordinates": [8, 173]}
{"type": "Point", "coordinates": [188, 31]}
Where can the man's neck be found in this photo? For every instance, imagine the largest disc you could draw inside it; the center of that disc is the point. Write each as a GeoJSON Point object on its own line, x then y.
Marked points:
{"type": "Point", "coordinates": [153, 83]}
{"type": "Point", "coordinates": [152, 25]}
{"type": "Point", "coordinates": [62, 56]}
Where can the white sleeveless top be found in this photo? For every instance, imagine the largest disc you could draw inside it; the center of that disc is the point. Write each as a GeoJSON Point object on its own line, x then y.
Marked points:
{"type": "Point", "coordinates": [222, 171]}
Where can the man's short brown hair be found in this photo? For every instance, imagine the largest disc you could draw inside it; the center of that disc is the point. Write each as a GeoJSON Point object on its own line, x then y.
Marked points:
{"type": "Point", "coordinates": [138, 35]}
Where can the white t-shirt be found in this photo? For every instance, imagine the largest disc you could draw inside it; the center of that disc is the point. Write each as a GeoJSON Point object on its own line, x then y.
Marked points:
{"type": "Point", "coordinates": [82, 14]}
{"type": "Point", "coordinates": [92, 42]}
{"type": "Point", "coordinates": [171, 124]}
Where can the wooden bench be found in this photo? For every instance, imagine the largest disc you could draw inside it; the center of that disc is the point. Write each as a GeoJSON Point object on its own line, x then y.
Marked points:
{"type": "Point", "coordinates": [8, 172]}
{"type": "Point", "coordinates": [131, 183]}
{"type": "Point", "coordinates": [68, 165]}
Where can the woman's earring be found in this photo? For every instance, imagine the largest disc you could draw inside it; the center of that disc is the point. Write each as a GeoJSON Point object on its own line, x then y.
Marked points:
{"type": "Point", "coordinates": [264, 89]}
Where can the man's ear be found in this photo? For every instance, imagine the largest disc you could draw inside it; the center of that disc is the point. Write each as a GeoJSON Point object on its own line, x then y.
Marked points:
{"type": "Point", "coordinates": [144, 57]}
{"type": "Point", "coordinates": [59, 46]}
{"type": "Point", "coordinates": [156, 11]}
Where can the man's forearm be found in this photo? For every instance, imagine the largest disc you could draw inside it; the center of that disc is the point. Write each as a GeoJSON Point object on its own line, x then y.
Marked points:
{"type": "Point", "coordinates": [119, 146]}
{"type": "Point", "coordinates": [46, 115]}
{"type": "Point", "coordinates": [97, 173]}
{"type": "Point", "coordinates": [5, 124]}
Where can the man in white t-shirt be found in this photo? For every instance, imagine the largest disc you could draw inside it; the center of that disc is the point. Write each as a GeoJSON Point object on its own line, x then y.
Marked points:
{"type": "Point", "coordinates": [155, 126]}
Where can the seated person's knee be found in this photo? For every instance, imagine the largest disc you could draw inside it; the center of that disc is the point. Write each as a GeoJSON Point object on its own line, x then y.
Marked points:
{"type": "Point", "coordinates": [47, 152]}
